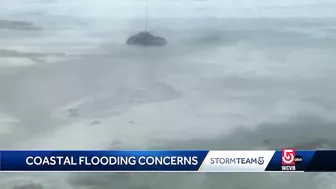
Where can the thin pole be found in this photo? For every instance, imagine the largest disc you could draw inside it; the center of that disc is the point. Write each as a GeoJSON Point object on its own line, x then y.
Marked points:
{"type": "Point", "coordinates": [146, 18]}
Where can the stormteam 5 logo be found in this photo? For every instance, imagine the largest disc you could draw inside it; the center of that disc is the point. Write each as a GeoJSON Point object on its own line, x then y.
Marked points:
{"type": "Point", "coordinates": [289, 159]}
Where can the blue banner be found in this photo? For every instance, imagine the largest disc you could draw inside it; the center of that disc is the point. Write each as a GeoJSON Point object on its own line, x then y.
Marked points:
{"type": "Point", "coordinates": [170, 160]}
{"type": "Point", "coordinates": [305, 161]}
{"type": "Point", "coordinates": [300, 161]}
{"type": "Point", "coordinates": [101, 160]}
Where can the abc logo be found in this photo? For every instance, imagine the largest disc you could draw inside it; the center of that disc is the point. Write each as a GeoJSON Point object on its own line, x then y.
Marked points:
{"type": "Point", "coordinates": [298, 159]}
{"type": "Point", "coordinates": [289, 157]}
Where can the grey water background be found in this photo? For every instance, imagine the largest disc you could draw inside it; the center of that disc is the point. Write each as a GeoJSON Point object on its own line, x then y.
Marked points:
{"type": "Point", "coordinates": [235, 75]}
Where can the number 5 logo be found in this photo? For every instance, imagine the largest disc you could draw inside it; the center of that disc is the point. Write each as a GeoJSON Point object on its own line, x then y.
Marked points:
{"type": "Point", "coordinates": [288, 155]}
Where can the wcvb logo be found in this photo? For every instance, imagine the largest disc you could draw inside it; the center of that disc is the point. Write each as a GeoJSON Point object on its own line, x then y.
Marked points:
{"type": "Point", "coordinates": [288, 156]}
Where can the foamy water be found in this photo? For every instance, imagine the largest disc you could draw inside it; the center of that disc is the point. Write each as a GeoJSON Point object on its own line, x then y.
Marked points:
{"type": "Point", "coordinates": [219, 84]}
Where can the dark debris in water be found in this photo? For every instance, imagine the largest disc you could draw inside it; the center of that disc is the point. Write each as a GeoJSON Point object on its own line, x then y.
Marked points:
{"type": "Point", "coordinates": [17, 25]}
{"type": "Point", "coordinates": [29, 186]}
{"type": "Point", "coordinates": [73, 112]}
{"type": "Point", "coordinates": [96, 122]}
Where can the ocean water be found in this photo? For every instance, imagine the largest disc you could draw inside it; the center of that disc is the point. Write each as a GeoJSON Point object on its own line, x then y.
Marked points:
{"type": "Point", "coordinates": [68, 81]}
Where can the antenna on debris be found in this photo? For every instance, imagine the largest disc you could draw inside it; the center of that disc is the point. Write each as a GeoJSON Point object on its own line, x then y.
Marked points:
{"type": "Point", "coordinates": [146, 17]}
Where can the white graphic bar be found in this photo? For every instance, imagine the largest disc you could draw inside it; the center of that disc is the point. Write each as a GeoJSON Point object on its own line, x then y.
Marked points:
{"type": "Point", "coordinates": [237, 161]}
